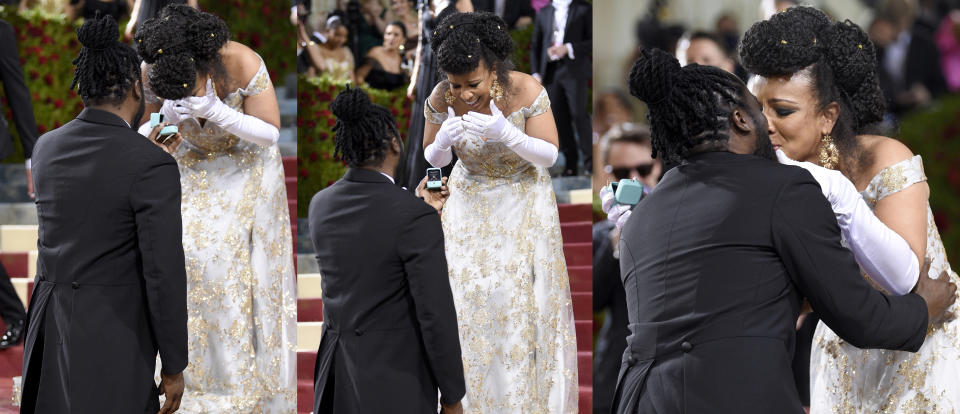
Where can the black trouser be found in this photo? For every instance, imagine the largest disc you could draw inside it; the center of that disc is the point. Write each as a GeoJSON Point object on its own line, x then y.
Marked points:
{"type": "Point", "coordinates": [11, 308]}
{"type": "Point", "coordinates": [568, 99]}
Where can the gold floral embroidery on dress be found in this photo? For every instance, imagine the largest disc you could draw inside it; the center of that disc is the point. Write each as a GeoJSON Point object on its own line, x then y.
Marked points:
{"type": "Point", "coordinates": [241, 297]}
{"type": "Point", "coordinates": [509, 279]}
{"type": "Point", "coordinates": [431, 114]}
{"type": "Point", "coordinates": [845, 379]}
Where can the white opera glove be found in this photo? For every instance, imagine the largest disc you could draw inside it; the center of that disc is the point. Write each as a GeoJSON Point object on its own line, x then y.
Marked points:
{"type": "Point", "coordinates": [496, 128]}
{"type": "Point", "coordinates": [211, 108]}
{"type": "Point", "coordinates": [438, 153]}
{"type": "Point", "coordinates": [885, 256]}
{"type": "Point", "coordinates": [616, 213]}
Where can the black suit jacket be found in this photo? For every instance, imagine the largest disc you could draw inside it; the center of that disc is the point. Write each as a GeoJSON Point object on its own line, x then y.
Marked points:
{"type": "Point", "coordinates": [390, 338]}
{"type": "Point", "coordinates": [17, 96]}
{"type": "Point", "coordinates": [713, 304]}
{"type": "Point", "coordinates": [111, 282]}
{"type": "Point", "coordinates": [578, 32]}
{"type": "Point", "coordinates": [513, 10]}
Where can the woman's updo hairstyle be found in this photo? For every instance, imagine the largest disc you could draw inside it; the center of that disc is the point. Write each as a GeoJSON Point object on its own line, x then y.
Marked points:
{"type": "Point", "coordinates": [462, 40]}
{"type": "Point", "coordinates": [178, 44]}
{"type": "Point", "coordinates": [688, 106]}
{"type": "Point", "coordinates": [837, 56]}
{"type": "Point", "coordinates": [363, 130]}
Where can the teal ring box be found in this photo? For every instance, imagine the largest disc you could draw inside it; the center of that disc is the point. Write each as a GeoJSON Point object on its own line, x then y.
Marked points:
{"type": "Point", "coordinates": [627, 191]}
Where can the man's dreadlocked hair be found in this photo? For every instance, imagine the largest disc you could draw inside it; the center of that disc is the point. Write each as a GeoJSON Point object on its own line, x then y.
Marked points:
{"type": "Point", "coordinates": [105, 68]}
{"type": "Point", "coordinates": [687, 106]}
{"type": "Point", "coordinates": [364, 130]}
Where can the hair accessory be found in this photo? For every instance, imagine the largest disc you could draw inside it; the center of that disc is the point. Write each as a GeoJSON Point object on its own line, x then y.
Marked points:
{"type": "Point", "coordinates": [159, 51]}
{"type": "Point", "coordinates": [212, 35]}
{"type": "Point", "coordinates": [783, 41]}
{"type": "Point", "coordinates": [451, 26]}
{"type": "Point", "coordinates": [139, 40]}
{"type": "Point", "coordinates": [184, 85]}
{"type": "Point", "coordinates": [469, 56]}
{"type": "Point", "coordinates": [814, 40]}
{"type": "Point", "coordinates": [860, 45]}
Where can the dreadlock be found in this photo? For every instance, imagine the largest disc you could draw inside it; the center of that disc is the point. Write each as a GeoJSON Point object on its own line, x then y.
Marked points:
{"type": "Point", "coordinates": [688, 106]}
{"type": "Point", "coordinates": [364, 130]}
{"type": "Point", "coordinates": [105, 68]}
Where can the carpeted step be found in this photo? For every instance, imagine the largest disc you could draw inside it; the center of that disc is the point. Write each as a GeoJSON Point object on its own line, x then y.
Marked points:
{"type": "Point", "coordinates": [292, 206]}
{"type": "Point", "coordinates": [291, 183]}
{"type": "Point", "coordinates": [289, 167]}
{"type": "Point", "coordinates": [585, 368]}
{"type": "Point", "coordinates": [18, 237]}
{"type": "Point", "coordinates": [581, 278]}
{"type": "Point", "coordinates": [575, 212]}
{"type": "Point", "coordinates": [582, 306]}
{"type": "Point", "coordinates": [15, 263]}
{"type": "Point", "coordinates": [578, 254]}
{"type": "Point", "coordinates": [11, 361]}
{"type": "Point", "coordinates": [576, 231]}
{"type": "Point", "coordinates": [309, 310]}
{"type": "Point", "coordinates": [584, 335]}
{"type": "Point", "coordinates": [586, 400]}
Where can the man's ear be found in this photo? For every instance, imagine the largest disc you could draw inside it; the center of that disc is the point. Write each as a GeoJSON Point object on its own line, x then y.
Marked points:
{"type": "Point", "coordinates": [740, 122]}
{"type": "Point", "coordinates": [136, 90]}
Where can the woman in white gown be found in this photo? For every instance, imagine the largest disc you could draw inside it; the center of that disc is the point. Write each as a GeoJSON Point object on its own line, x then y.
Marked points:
{"type": "Point", "coordinates": [501, 226]}
{"type": "Point", "coordinates": [819, 91]}
{"type": "Point", "coordinates": [241, 298]}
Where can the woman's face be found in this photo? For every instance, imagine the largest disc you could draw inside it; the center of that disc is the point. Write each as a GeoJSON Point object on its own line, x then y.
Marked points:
{"type": "Point", "coordinates": [400, 7]}
{"type": "Point", "coordinates": [473, 88]}
{"type": "Point", "coordinates": [337, 37]}
{"type": "Point", "coordinates": [795, 121]}
{"type": "Point", "coordinates": [393, 37]}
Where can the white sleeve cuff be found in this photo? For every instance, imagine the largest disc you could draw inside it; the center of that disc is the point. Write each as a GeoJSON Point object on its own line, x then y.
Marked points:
{"type": "Point", "coordinates": [569, 50]}
{"type": "Point", "coordinates": [27, 162]}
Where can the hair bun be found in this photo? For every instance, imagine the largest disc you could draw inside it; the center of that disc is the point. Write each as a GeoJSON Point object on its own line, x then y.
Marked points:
{"type": "Point", "coordinates": [351, 105]}
{"type": "Point", "coordinates": [786, 43]}
{"type": "Point", "coordinates": [173, 77]}
{"type": "Point", "coordinates": [852, 57]}
{"type": "Point", "coordinates": [99, 33]}
{"type": "Point", "coordinates": [653, 75]}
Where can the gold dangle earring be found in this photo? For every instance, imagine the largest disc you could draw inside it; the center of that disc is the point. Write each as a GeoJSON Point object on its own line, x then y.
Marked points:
{"type": "Point", "coordinates": [829, 157]}
{"type": "Point", "coordinates": [448, 97]}
{"type": "Point", "coordinates": [496, 91]}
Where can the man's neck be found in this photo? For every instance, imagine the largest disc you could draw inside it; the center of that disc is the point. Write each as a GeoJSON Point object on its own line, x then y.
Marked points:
{"type": "Point", "coordinates": [124, 115]}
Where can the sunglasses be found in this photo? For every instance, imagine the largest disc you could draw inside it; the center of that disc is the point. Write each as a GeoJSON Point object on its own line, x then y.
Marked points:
{"type": "Point", "coordinates": [620, 173]}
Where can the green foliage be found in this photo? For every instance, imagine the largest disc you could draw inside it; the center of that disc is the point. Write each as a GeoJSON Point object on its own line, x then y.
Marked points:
{"type": "Point", "coordinates": [317, 167]}
{"type": "Point", "coordinates": [935, 135]}
{"type": "Point", "coordinates": [47, 44]}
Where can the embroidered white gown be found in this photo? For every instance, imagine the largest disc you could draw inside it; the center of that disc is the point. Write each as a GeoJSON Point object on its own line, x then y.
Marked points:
{"type": "Point", "coordinates": [509, 278]}
{"type": "Point", "coordinates": [241, 287]}
{"type": "Point", "coordinates": [846, 379]}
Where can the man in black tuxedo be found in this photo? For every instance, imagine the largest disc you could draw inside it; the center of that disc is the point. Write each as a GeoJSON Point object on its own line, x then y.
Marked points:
{"type": "Point", "coordinates": [111, 281]}
{"type": "Point", "coordinates": [560, 58]}
{"type": "Point", "coordinates": [390, 338]}
{"type": "Point", "coordinates": [11, 74]}
{"type": "Point", "coordinates": [742, 240]}
{"type": "Point", "coordinates": [516, 13]}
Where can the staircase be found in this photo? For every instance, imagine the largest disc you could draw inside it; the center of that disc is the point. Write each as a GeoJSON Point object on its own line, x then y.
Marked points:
{"type": "Point", "coordinates": [575, 226]}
